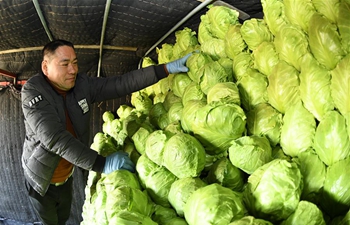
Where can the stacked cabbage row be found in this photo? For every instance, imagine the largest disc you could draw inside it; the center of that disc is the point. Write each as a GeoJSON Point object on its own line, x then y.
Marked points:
{"type": "Point", "coordinates": [257, 132]}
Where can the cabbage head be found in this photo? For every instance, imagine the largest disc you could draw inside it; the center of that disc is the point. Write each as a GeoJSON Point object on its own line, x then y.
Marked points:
{"type": "Point", "coordinates": [215, 48]}
{"type": "Point", "coordinates": [181, 190]}
{"type": "Point", "coordinates": [264, 120]}
{"type": "Point", "coordinates": [253, 89]}
{"type": "Point", "coordinates": [225, 92]}
{"type": "Point", "coordinates": [214, 204]}
{"type": "Point", "coordinates": [265, 57]}
{"type": "Point", "coordinates": [283, 88]}
{"type": "Point", "coordinates": [248, 153]}
{"type": "Point", "coordinates": [130, 218]}
{"type": "Point", "coordinates": [154, 145]}
{"type": "Point", "coordinates": [155, 179]}
{"type": "Point", "coordinates": [175, 112]}
{"type": "Point", "coordinates": [273, 190]}
{"type": "Point", "coordinates": [180, 82]}
{"type": "Point", "coordinates": [165, 53]}
{"type": "Point", "coordinates": [141, 101]}
{"type": "Point", "coordinates": [340, 85]}
{"type": "Point", "coordinates": [186, 41]}
{"type": "Point", "coordinates": [314, 174]}
{"type": "Point", "coordinates": [324, 41]}
{"type": "Point", "coordinates": [170, 99]}
{"type": "Point", "coordinates": [291, 44]}
{"type": "Point", "coordinates": [184, 155]}
{"type": "Point", "coordinates": [336, 191]}
{"type": "Point", "coordinates": [329, 9]}
{"type": "Point", "coordinates": [234, 43]}
{"type": "Point", "coordinates": [298, 130]}
{"type": "Point", "coordinates": [307, 213]}
{"type": "Point", "coordinates": [139, 139]}
{"type": "Point", "coordinates": [189, 114]}
{"type": "Point", "coordinates": [195, 62]}
{"type": "Point", "coordinates": [223, 172]}
{"type": "Point", "coordinates": [343, 25]}
{"type": "Point", "coordinates": [331, 141]}
{"type": "Point", "coordinates": [216, 125]}
{"type": "Point", "coordinates": [124, 111]}
{"type": "Point", "coordinates": [162, 214]}
{"type": "Point", "coordinates": [274, 14]}
{"type": "Point", "coordinates": [119, 178]}
{"type": "Point", "coordinates": [299, 12]}
{"type": "Point", "coordinates": [155, 115]}
{"type": "Point", "coordinates": [193, 92]}
{"type": "Point", "coordinates": [241, 63]}
{"type": "Point", "coordinates": [250, 220]}
{"type": "Point", "coordinates": [315, 89]}
{"type": "Point", "coordinates": [254, 32]}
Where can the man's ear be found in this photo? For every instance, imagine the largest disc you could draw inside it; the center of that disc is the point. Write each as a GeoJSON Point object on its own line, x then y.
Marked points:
{"type": "Point", "coordinates": [44, 66]}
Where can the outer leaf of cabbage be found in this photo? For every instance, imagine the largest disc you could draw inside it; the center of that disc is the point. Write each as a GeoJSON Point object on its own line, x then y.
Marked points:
{"type": "Point", "coordinates": [214, 204]}
{"type": "Point", "coordinates": [155, 114]}
{"type": "Point", "coordinates": [186, 41]}
{"type": "Point", "coordinates": [216, 125]}
{"type": "Point", "coordinates": [314, 174]}
{"type": "Point", "coordinates": [315, 89]}
{"type": "Point", "coordinates": [170, 99]}
{"type": "Point", "coordinates": [254, 32]}
{"type": "Point", "coordinates": [220, 19]}
{"type": "Point", "coordinates": [252, 89]}
{"type": "Point", "coordinates": [340, 85]}
{"type": "Point", "coordinates": [329, 8]}
{"type": "Point", "coordinates": [141, 102]}
{"type": "Point", "coordinates": [154, 146]}
{"type": "Point", "coordinates": [234, 43]}
{"type": "Point", "coordinates": [283, 88]}
{"type": "Point", "coordinates": [155, 179]}
{"type": "Point", "coordinates": [226, 92]}
{"type": "Point", "coordinates": [184, 155]}
{"type": "Point", "coordinates": [298, 130]}
{"type": "Point", "coordinates": [299, 12]}
{"type": "Point", "coordinates": [139, 139]}
{"type": "Point", "coordinates": [241, 63]}
{"type": "Point", "coordinates": [274, 15]}
{"type": "Point", "coordinates": [248, 153]}
{"type": "Point", "coordinates": [165, 53]}
{"type": "Point", "coordinates": [195, 62]}
{"type": "Point", "coordinates": [273, 190]}
{"type": "Point", "coordinates": [204, 32]}
{"type": "Point", "coordinates": [175, 112]}
{"type": "Point", "coordinates": [215, 48]}
{"type": "Point", "coordinates": [343, 23]}
{"type": "Point", "coordinates": [130, 218]}
{"type": "Point", "coordinates": [211, 74]}
{"type": "Point", "coordinates": [180, 82]}
{"type": "Point", "coordinates": [306, 213]}
{"type": "Point", "coordinates": [193, 92]}
{"type": "Point", "coordinates": [189, 114]}
{"type": "Point", "coordinates": [331, 141]}
{"type": "Point", "coordinates": [324, 41]}
{"type": "Point", "coordinates": [181, 190]}
{"type": "Point", "coordinates": [223, 172]}
{"type": "Point", "coordinates": [250, 220]}
{"type": "Point", "coordinates": [162, 214]}
{"type": "Point", "coordinates": [336, 191]}
{"type": "Point", "coordinates": [264, 120]}
{"type": "Point", "coordinates": [265, 57]}
{"type": "Point", "coordinates": [291, 44]}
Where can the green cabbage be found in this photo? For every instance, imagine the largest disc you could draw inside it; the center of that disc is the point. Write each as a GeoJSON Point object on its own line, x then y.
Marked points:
{"type": "Point", "coordinates": [253, 89]}
{"type": "Point", "coordinates": [254, 32]}
{"type": "Point", "coordinates": [139, 139]}
{"type": "Point", "coordinates": [306, 213]}
{"type": "Point", "coordinates": [329, 8]}
{"type": "Point", "coordinates": [299, 12]}
{"type": "Point", "coordinates": [298, 130]}
{"type": "Point", "coordinates": [180, 82]}
{"type": "Point", "coordinates": [162, 214]}
{"type": "Point", "coordinates": [234, 43]}
{"type": "Point", "coordinates": [264, 120]}
{"type": "Point", "coordinates": [215, 48]}
{"type": "Point", "coordinates": [186, 42]}
{"type": "Point", "coordinates": [130, 218]}
{"type": "Point", "coordinates": [195, 62]}
{"type": "Point", "coordinates": [324, 41]}
{"type": "Point", "coordinates": [155, 114]}
{"type": "Point", "coordinates": [141, 101]}
{"type": "Point", "coordinates": [170, 99]}
{"type": "Point", "coordinates": [343, 23]}
{"type": "Point", "coordinates": [336, 191]}
{"type": "Point", "coordinates": [273, 190]}
{"type": "Point", "coordinates": [274, 14]}
{"type": "Point", "coordinates": [216, 125]}
{"type": "Point", "coordinates": [184, 156]}
{"type": "Point", "coordinates": [154, 145]}
{"type": "Point", "coordinates": [250, 220]}
{"type": "Point", "coordinates": [181, 190]}
{"type": "Point", "coordinates": [331, 141]}
{"type": "Point", "coordinates": [165, 53]}
{"type": "Point", "coordinates": [189, 114]}
{"type": "Point", "coordinates": [223, 172]}
{"type": "Point", "coordinates": [225, 92]}
{"type": "Point", "coordinates": [214, 204]}
{"type": "Point", "coordinates": [283, 88]}
{"type": "Point", "coordinates": [315, 89]}
{"type": "Point", "coordinates": [193, 92]}
{"type": "Point", "coordinates": [175, 112]}
{"type": "Point", "coordinates": [241, 63]}
{"type": "Point", "coordinates": [248, 153]}
{"type": "Point", "coordinates": [265, 57]}
{"type": "Point", "coordinates": [340, 85]}
{"type": "Point", "coordinates": [291, 44]}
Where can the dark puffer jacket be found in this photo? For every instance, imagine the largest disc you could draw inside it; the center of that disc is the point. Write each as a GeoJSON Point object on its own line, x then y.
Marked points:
{"type": "Point", "coordinates": [44, 111]}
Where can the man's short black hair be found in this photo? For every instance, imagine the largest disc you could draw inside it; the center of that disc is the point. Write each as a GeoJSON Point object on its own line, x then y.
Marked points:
{"type": "Point", "coordinates": [51, 47]}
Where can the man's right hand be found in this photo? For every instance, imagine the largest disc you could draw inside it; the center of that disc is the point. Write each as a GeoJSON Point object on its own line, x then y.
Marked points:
{"type": "Point", "coordinates": [118, 160]}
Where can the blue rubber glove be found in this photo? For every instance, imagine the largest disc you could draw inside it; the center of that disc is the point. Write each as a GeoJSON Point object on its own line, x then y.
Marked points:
{"type": "Point", "coordinates": [118, 160]}
{"type": "Point", "coordinates": [179, 65]}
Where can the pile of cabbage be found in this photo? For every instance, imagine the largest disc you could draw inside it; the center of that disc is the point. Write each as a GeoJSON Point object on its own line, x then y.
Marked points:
{"type": "Point", "coordinates": [256, 132]}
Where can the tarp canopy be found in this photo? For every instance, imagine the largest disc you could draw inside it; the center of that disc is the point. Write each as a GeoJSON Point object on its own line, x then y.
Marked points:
{"type": "Point", "coordinates": [111, 38]}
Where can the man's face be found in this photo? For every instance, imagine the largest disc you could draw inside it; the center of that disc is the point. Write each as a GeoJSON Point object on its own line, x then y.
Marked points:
{"type": "Point", "coordinates": [61, 68]}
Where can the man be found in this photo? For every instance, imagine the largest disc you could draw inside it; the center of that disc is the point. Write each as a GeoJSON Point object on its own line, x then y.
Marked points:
{"type": "Point", "coordinates": [56, 105]}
